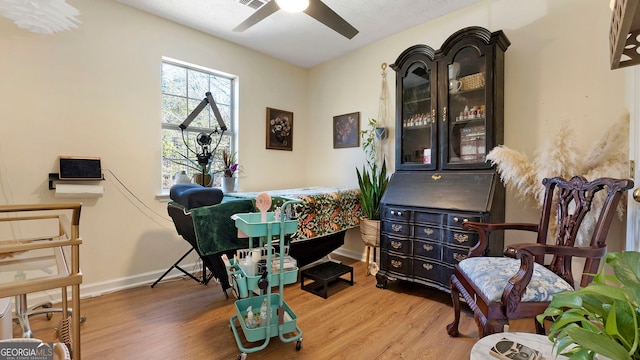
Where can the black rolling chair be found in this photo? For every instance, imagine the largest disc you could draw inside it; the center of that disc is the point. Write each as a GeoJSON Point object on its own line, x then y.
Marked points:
{"type": "Point", "coordinates": [184, 198]}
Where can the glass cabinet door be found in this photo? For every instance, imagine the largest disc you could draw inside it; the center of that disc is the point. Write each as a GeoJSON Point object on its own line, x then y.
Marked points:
{"type": "Point", "coordinates": [465, 111]}
{"type": "Point", "coordinates": [418, 124]}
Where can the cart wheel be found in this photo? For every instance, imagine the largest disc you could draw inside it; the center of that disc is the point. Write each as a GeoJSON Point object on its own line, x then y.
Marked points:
{"type": "Point", "coordinates": [298, 345]}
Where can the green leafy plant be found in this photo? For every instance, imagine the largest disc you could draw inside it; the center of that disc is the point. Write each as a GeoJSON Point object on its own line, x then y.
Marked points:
{"type": "Point", "coordinates": [373, 179]}
{"type": "Point", "coordinates": [602, 318]}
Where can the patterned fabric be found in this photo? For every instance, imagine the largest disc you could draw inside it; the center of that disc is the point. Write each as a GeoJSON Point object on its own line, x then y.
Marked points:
{"type": "Point", "coordinates": [491, 274]}
{"type": "Point", "coordinates": [323, 211]}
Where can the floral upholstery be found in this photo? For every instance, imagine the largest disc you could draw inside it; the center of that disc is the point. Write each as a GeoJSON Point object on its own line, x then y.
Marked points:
{"type": "Point", "coordinates": [491, 274]}
{"type": "Point", "coordinates": [323, 211]}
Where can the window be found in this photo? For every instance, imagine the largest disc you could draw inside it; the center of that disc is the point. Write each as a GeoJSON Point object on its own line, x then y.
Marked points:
{"type": "Point", "coordinates": [183, 88]}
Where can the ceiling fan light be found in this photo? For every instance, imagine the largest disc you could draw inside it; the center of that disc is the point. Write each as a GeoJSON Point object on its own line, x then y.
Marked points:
{"type": "Point", "coordinates": [293, 5]}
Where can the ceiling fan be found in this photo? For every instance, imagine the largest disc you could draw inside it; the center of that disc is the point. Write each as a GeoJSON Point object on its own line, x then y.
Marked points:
{"type": "Point", "coordinates": [316, 9]}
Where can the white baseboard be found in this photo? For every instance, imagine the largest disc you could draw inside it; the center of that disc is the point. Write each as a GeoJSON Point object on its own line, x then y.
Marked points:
{"type": "Point", "coordinates": [145, 279]}
{"type": "Point", "coordinates": [351, 254]}
{"type": "Point", "coordinates": [101, 288]}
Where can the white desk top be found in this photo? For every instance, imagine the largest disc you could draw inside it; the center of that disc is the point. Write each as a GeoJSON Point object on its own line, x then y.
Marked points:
{"type": "Point", "coordinates": [480, 350]}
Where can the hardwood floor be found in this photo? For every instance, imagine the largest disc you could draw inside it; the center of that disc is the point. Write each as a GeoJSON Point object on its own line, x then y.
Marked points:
{"type": "Point", "coordinates": [180, 319]}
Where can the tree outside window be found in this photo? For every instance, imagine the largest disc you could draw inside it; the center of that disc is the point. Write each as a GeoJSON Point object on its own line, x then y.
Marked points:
{"type": "Point", "coordinates": [183, 88]}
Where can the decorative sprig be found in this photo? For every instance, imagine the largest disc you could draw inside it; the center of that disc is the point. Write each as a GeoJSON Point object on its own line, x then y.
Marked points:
{"type": "Point", "coordinates": [560, 157]}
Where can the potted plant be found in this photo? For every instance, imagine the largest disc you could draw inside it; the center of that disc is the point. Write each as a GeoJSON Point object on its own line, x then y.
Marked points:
{"type": "Point", "coordinates": [197, 169]}
{"type": "Point", "coordinates": [603, 318]}
{"type": "Point", "coordinates": [372, 181]}
{"type": "Point", "coordinates": [229, 167]}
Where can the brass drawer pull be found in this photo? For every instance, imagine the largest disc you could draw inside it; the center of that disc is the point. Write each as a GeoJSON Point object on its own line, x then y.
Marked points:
{"type": "Point", "coordinates": [461, 237]}
{"type": "Point", "coordinates": [396, 244]}
{"type": "Point", "coordinates": [396, 264]}
{"type": "Point", "coordinates": [427, 247]}
{"type": "Point", "coordinates": [427, 266]}
{"type": "Point", "coordinates": [396, 227]}
{"type": "Point", "coordinates": [457, 220]}
{"type": "Point", "coordinates": [436, 177]}
{"type": "Point", "coordinates": [399, 213]}
{"type": "Point", "coordinates": [459, 257]}
{"type": "Point", "coordinates": [428, 231]}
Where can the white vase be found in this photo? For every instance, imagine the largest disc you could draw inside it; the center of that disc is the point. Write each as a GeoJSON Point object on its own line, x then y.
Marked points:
{"type": "Point", "coordinates": [228, 184]}
{"type": "Point", "coordinates": [181, 178]}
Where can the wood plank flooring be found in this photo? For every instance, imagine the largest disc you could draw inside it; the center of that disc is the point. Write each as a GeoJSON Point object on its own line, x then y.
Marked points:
{"type": "Point", "coordinates": [181, 319]}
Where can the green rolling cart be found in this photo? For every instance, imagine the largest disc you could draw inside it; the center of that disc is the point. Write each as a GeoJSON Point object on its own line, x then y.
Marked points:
{"type": "Point", "coordinates": [281, 320]}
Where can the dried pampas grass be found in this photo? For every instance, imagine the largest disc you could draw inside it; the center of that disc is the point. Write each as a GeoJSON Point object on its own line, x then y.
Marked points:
{"type": "Point", "coordinates": [516, 171]}
{"type": "Point", "coordinates": [608, 157]}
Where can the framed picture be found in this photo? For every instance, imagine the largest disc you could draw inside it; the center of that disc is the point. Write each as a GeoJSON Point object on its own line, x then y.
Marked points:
{"type": "Point", "coordinates": [279, 129]}
{"type": "Point", "coordinates": [346, 130]}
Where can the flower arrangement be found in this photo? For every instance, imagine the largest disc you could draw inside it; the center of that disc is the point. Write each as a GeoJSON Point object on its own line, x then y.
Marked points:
{"type": "Point", "coordinates": [281, 128]}
{"type": "Point", "coordinates": [346, 130]}
{"type": "Point", "coordinates": [230, 166]}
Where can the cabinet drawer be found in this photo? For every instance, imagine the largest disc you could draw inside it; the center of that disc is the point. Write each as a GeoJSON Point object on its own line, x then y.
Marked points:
{"type": "Point", "coordinates": [453, 255]}
{"type": "Point", "coordinates": [447, 271]}
{"type": "Point", "coordinates": [396, 245]}
{"type": "Point", "coordinates": [427, 249]}
{"type": "Point", "coordinates": [395, 214]}
{"type": "Point", "coordinates": [395, 263]}
{"type": "Point", "coordinates": [456, 220]}
{"type": "Point", "coordinates": [428, 232]}
{"type": "Point", "coordinates": [396, 228]}
{"type": "Point", "coordinates": [427, 269]}
{"type": "Point", "coordinates": [461, 238]}
{"type": "Point", "coordinates": [428, 218]}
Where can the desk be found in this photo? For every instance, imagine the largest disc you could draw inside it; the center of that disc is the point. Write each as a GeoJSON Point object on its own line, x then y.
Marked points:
{"type": "Point", "coordinates": [480, 350]}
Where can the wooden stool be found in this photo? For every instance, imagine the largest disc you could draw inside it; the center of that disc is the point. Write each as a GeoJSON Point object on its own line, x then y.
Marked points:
{"type": "Point", "coordinates": [369, 256]}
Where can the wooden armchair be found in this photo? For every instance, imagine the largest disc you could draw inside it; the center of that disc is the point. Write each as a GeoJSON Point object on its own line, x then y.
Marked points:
{"type": "Point", "coordinates": [521, 284]}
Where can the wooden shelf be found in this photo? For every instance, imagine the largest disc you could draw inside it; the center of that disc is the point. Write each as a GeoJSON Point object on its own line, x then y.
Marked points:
{"type": "Point", "coordinates": [55, 178]}
{"type": "Point", "coordinates": [623, 34]}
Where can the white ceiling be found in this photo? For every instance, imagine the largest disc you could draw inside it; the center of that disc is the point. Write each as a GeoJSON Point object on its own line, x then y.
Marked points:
{"type": "Point", "coordinates": [296, 37]}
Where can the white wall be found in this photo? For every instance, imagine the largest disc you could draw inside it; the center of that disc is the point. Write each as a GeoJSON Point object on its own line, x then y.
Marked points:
{"type": "Point", "coordinates": [95, 91]}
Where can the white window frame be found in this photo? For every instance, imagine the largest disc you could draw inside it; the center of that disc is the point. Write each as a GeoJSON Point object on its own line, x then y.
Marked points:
{"type": "Point", "coordinates": [204, 122]}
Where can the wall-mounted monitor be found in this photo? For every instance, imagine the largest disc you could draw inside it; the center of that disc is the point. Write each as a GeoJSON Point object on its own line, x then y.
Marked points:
{"type": "Point", "coordinates": [80, 168]}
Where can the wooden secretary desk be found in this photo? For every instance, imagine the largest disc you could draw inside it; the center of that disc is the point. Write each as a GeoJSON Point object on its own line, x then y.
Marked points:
{"type": "Point", "coordinates": [449, 115]}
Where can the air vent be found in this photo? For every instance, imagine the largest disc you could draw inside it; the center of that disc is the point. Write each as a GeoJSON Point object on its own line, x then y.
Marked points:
{"type": "Point", "coordinates": [254, 4]}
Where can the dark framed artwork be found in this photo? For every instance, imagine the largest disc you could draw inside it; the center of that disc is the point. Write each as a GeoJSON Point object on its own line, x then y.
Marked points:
{"type": "Point", "coordinates": [279, 129]}
{"type": "Point", "coordinates": [346, 130]}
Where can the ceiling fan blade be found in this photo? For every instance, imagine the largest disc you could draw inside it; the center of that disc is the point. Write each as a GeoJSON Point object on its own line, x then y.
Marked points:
{"type": "Point", "coordinates": [260, 14]}
{"type": "Point", "coordinates": [321, 12]}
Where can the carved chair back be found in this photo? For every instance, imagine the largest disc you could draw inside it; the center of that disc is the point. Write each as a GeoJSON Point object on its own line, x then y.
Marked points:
{"type": "Point", "coordinates": [581, 211]}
